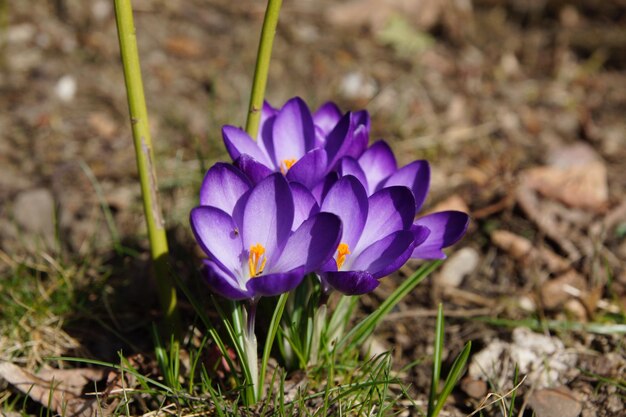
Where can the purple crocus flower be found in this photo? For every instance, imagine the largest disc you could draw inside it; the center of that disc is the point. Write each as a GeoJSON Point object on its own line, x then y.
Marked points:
{"type": "Point", "coordinates": [377, 238]}
{"type": "Point", "coordinates": [286, 144]}
{"type": "Point", "coordinates": [249, 237]}
{"type": "Point", "coordinates": [301, 146]}
{"type": "Point", "coordinates": [377, 169]}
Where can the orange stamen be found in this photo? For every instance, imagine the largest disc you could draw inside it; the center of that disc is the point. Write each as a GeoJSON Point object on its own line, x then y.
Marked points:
{"type": "Point", "coordinates": [256, 260]}
{"type": "Point", "coordinates": [286, 164]}
{"type": "Point", "coordinates": [342, 251]}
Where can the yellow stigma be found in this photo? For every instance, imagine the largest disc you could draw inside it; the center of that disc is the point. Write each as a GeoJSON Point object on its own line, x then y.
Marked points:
{"type": "Point", "coordinates": [286, 164]}
{"type": "Point", "coordinates": [256, 260]}
{"type": "Point", "coordinates": [342, 251]}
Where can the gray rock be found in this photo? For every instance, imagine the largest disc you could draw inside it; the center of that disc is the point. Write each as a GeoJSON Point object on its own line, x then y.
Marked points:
{"type": "Point", "coordinates": [34, 214]}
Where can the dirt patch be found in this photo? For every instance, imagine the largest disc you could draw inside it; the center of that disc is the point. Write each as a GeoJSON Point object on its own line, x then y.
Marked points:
{"type": "Point", "coordinates": [500, 96]}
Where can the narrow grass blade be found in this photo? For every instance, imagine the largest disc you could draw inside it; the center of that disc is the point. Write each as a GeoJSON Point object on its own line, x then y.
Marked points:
{"type": "Point", "coordinates": [534, 324]}
{"type": "Point", "coordinates": [438, 349]}
{"type": "Point", "coordinates": [514, 392]}
{"type": "Point", "coordinates": [199, 309]}
{"type": "Point", "coordinates": [453, 378]}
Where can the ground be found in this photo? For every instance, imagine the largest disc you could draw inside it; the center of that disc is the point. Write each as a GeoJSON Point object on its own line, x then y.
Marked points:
{"type": "Point", "coordinates": [518, 106]}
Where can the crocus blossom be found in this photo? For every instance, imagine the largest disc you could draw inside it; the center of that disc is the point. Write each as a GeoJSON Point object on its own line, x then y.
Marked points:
{"type": "Point", "coordinates": [302, 146]}
{"type": "Point", "coordinates": [377, 238]}
{"type": "Point", "coordinates": [377, 169]}
{"type": "Point", "coordinates": [249, 239]}
{"type": "Point", "coordinates": [310, 195]}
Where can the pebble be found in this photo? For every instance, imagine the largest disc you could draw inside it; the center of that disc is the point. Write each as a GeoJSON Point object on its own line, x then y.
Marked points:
{"type": "Point", "coordinates": [34, 213]}
{"type": "Point", "coordinates": [553, 402]}
{"type": "Point", "coordinates": [355, 85]}
{"type": "Point", "coordinates": [65, 88]}
{"type": "Point", "coordinates": [459, 264]}
{"type": "Point", "coordinates": [475, 388]}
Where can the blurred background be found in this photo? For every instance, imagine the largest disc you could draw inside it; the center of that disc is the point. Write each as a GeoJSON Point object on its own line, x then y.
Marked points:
{"type": "Point", "coordinates": [519, 105]}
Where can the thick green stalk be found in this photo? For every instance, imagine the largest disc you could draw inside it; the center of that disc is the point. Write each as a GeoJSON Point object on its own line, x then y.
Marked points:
{"type": "Point", "coordinates": [145, 162]}
{"type": "Point", "coordinates": [262, 66]}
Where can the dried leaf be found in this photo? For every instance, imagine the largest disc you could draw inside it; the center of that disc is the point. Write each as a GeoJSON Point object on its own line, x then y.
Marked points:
{"type": "Point", "coordinates": [58, 390]}
{"type": "Point", "coordinates": [576, 177]}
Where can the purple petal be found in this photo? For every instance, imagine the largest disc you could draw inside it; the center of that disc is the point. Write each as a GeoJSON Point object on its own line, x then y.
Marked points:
{"type": "Point", "coordinates": [222, 282]}
{"type": "Point", "coordinates": [420, 234]}
{"type": "Point", "coordinates": [238, 142]}
{"type": "Point", "coordinates": [350, 166]}
{"type": "Point", "coordinates": [327, 116]}
{"type": "Point", "coordinates": [218, 236]}
{"type": "Point", "coordinates": [348, 200]}
{"type": "Point", "coordinates": [390, 210]}
{"type": "Point", "coordinates": [416, 176]}
{"type": "Point", "coordinates": [446, 228]}
{"type": "Point", "coordinates": [322, 188]}
{"type": "Point", "coordinates": [338, 140]}
{"type": "Point", "coordinates": [304, 204]}
{"type": "Point", "coordinates": [274, 284]}
{"type": "Point", "coordinates": [268, 215]}
{"type": "Point", "coordinates": [351, 282]}
{"type": "Point", "coordinates": [253, 169]}
{"type": "Point", "coordinates": [223, 186]}
{"type": "Point", "coordinates": [310, 169]}
{"type": "Point", "coordinates": [311, 245]}
{"type": "Point", "coordinates": [380, 163]}
{"type": "Point", "coordinates": [293, 132]}
{"type": "Point", "coordinates": [361, 135]}
{"type": "Point", "coordinates": [386, 255]}
{"type": "Point", "coordinates": [267, 112]}
{"type": "Point", "coordinates": [264, 137]}
{"type": "Point", "coordinates": [320, 138]}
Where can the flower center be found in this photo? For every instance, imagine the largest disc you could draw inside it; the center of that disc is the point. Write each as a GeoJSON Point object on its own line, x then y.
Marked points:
{"type": "Point", "coordinates": [342, 251]}
{"type": "Point", "coordinates": [286, 164]}
{"type": "Point", "coordinates": [256, 260]}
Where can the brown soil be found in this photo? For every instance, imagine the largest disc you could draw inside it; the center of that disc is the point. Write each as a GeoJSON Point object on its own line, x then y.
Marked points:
{"type": "Point", "coordinates": [519, 107]}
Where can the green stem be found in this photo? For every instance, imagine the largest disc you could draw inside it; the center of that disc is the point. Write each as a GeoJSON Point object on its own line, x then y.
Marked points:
{"type": "Point", "coordinates": [262, 66]}
{"type": "Point", "coordinates": [145, 163]}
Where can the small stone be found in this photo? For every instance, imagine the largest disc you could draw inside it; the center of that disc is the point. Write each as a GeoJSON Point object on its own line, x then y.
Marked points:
{"type": "Point", "coordinates": [356, 86]}
{"type": "Point", "coordinates": [615, 404]}
{"type": "Point", "coordinates": [475, 388]}
{"type": "Point", "coordinates": [33, 211]}
{"type": "Point", "coordinates": [102, 124]}
{"type": "Point", "coordinates": [576, 309]}
{"type": "Point", "coordinates": [66, 88]}
{"type": "Point", "coordinates": [21, 33]}
{"type": "Point", "coordinates": [459, 265]}
{"type": "Point", "coordinates": [552, 402]}
{"type": "Point", "coordinates": [101, 10]}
